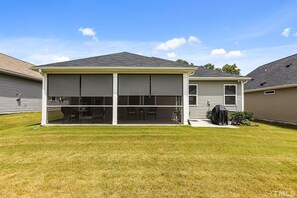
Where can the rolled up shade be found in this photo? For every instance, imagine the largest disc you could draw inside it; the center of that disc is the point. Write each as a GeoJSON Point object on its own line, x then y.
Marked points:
{"type": "Point", "coordinates": [96, 85]}
{"type": "Point", "coordinates": [134, 85]}
{"type": "Point", "coordinates": [63, 85]}
{"type": "Point", "coordinates": [166, 85]}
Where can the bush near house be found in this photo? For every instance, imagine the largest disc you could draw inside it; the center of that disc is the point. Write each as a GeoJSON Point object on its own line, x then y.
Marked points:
{"type": "Point", "coordinates": [241, 118]}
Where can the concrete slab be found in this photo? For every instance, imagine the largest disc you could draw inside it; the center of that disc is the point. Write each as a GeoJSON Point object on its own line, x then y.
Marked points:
{"type": "Point", "coordinates": [207, 123]}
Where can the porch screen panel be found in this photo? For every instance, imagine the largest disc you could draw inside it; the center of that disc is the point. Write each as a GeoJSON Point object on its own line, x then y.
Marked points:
{"type": "Point", "coordinates": [166, 85]}
{"type": "Point", "coordinates": [134, 85]}
{"type": "Point", "coordinates": [63, 85]}
{"type": "Point", "coordinates": [96, 85]}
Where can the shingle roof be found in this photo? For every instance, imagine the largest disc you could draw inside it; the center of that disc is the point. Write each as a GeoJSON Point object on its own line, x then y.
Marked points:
{"type": "Point", "coordinates": [123, 59]}
{"type": "Point", "coordinates": [203, 72]}
{"type": "Point", "coordinates": [18, 67]}
{"type": "Point", "coordinates": [277, 73]}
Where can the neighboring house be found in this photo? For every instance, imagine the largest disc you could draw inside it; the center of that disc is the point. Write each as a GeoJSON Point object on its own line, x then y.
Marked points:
{"type": "Point", "coordinates": [20, 87]}
{"type": "Point", "coordinates": [272, 91]}
{"type": "Point", "coordinates": [127, 88]}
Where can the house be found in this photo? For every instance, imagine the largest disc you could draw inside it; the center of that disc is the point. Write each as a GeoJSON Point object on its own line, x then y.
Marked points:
{"type": "Point", "coordinates": [272, 91]}
{"type": "Point", "coordinates": [20, 87]}
{"type": "Point", "coordinates": [126, 88]}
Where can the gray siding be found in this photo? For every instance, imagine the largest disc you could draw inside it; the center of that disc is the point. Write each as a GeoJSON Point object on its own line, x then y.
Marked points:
{"type": "Point", "coordinates": [214, 92]}
{"type": "Point", "coordinates": [30, 91]}
{"type": "Point", "coordinates": [278, 107]}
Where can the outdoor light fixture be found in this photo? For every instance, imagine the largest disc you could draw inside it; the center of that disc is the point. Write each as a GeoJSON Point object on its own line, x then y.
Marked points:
{"type": "Point", "coordinates": [18, 96]}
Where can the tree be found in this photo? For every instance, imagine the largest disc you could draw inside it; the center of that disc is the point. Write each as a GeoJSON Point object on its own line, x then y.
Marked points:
{"type": "Point", "coordinates": [231, 69]}
{"type": "Point", "coordinates": [208, 66]}
{"type": "Point", "coordinates": [218, 69]}
{"type": "Point", "coordinates": [182, 61]}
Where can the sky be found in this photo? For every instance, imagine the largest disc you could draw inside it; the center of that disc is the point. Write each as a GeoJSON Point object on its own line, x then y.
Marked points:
{"type": "Point", "coordinates": [248, 33]}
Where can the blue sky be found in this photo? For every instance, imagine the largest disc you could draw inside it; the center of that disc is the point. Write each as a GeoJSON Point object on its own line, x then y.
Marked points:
{"type": "Point", "coordinates": [248, 33]}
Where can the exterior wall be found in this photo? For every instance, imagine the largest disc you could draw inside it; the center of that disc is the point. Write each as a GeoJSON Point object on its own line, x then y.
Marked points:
{"type": "Point", "coordinates": [280, 107]}
{"type": "Point", "coordinates": [30, 91]}
{"type": "Point", "coordinates": [214, 92]}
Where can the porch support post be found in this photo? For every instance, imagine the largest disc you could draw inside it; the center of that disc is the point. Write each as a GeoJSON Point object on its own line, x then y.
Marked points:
{"type": "Point", "coordinates": [44, 100]}
{"type": "Point", "coordinates": [185, 99]}
{"type": "Point", "coordinates": [242, 95]}
{"type": "Point", "coordinates": [115, 99]}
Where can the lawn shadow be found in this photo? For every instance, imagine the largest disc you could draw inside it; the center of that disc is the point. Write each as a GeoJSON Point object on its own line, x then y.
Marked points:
{"type": "Point", "coordinates": [278, 124]}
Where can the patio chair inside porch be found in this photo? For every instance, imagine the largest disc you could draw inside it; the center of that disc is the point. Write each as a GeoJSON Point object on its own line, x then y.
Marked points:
{"type": "Point", "coordinates": [98, 113]}
{"type": "Point", "coordinates": [152, 112]}
{"type": "Point", "coordinates": [69, 114]}
{"type": "Point", "coordinates": [131, 113]}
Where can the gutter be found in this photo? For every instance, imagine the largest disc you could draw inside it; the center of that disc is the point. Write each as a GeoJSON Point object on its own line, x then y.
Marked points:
{"type": "Point", "coordinates": [120, 69]}
{"type": "Point", "coordinates": [220, 78]}
{"type": "Point", "coordinates": [269, 88]}
{"type": "Point", "coordinates": [35, 68]}
{"type": "Point", "coordinates": [20, 75]}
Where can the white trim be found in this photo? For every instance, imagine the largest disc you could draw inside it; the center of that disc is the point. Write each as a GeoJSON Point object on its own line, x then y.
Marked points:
{"type": "Point", "coordinates": [274, 87]}
{"type": "Point", "coordinates": [242, 96]}
{"type": "Point", "coordinates": [17, 74]}
{"type": "Point", "coordinates": [53, 106]}
{"type": "Point", "coordinates": [231, 95]}
{"type": "Point", "coordinates": [44, 100]}
{"type": "Point", "coordinates": [220, 78]}
{"type": "Point", "coordinates": [194, 95]}
{"type": "Point", "coordinates": [186, 110]}
{"type": "Point", "coordinates": [115, 99]}
{"type": "Point", "coordinates": [119, 70]}
{"type": "Point", "coordinates": [265, 92]}
{"type": "Point", "coordinates": [145, 106]}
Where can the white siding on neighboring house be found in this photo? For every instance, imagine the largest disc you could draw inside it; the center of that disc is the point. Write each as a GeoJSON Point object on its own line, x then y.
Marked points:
{"type": "Point", "coordinates": [29, 90]}
{"type": "Point", "coordinates": [213, 91]}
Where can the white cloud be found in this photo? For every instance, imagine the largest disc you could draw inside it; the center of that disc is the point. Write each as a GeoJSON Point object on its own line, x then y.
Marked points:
{"type": "Point", "coordinates": [286, 32]}
{"type": "Point", "coordinates": [171, 55]}
{"type": "Point", "coordinates": [224, 53]}
{"type": "Point", "coordinates": [233, 54]}
{"type": "Point", "coordinates": [57, 58]}
{"type": "Point", "coordinates": [194, 39]}
{"type": "Point", "coordinates": [219, 51]}
{"type": "Point", "coordinates": [171, 44]}
{"type": "Point", "coordinates": [88, 32]}
{"type": "Point", "coordinates": [44, 50]}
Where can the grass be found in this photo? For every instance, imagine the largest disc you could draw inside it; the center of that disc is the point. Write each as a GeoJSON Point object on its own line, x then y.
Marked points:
{"type": "Point", "coordinates": [125, 161]}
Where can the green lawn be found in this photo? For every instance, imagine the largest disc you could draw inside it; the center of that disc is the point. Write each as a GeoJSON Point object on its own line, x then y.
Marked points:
{"type": "Point", "coordinates": [145, 161]}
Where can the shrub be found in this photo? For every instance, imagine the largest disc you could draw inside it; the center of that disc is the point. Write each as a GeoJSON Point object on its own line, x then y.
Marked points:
{"type": "Point", "coordinates": [241, 118]}
{"type": "Point", "coordinates": [248, 115]}
{"type": "Point", "coordinates": [208, 115]}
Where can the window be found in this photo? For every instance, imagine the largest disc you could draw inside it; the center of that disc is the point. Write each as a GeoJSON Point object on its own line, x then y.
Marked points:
{"type": "Point", "coordinates": [230, 94]}
{"type": "Point", "coordinates": [193, 95]}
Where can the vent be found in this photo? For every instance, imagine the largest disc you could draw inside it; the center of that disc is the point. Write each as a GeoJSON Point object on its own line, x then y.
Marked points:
{"type": "Point", "coordinates": [288, 65]}
{"type": "Point", "coordinates": [263, 83]}
{"type": "Point", "coordinates": [270, 92]}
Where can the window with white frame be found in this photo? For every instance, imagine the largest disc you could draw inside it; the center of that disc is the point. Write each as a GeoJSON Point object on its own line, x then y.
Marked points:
{"type": "Point", "coordinates": [193, 95]}
{"type": "Point", "coordinates": [230, 94]}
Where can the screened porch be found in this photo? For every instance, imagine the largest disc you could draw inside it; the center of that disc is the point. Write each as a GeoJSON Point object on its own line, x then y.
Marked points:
{"type": "Point", "coordinates": [94, 99]}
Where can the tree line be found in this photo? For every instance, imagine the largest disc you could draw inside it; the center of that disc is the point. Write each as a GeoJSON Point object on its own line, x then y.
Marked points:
{"type": "Point", "coordinates": [228, 68]}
